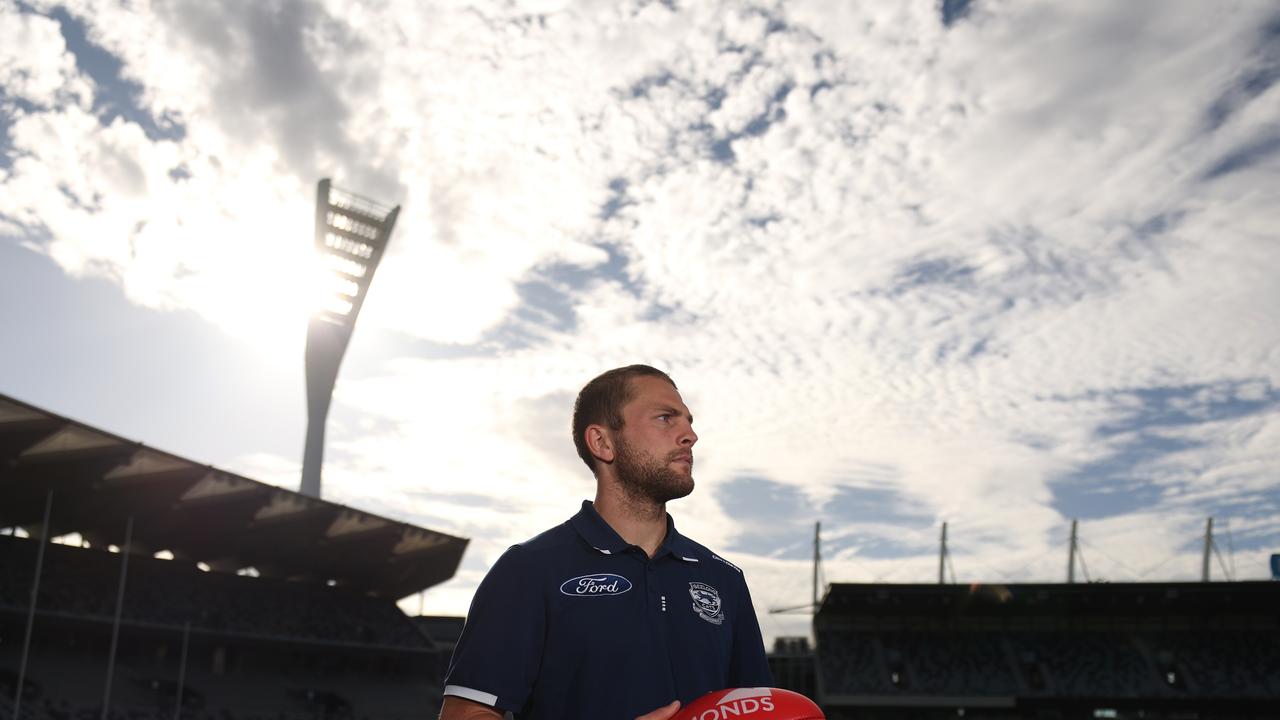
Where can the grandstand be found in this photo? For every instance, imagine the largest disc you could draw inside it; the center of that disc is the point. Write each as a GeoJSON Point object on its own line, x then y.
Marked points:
{"type": "Point", "coordinates": [1096, 650]}
{"type": "Point", "coordinates": [267, 604]}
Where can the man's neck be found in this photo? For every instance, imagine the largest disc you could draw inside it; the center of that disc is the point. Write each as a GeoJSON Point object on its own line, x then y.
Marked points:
{"type": "Point", "coordinates": [638, 522]}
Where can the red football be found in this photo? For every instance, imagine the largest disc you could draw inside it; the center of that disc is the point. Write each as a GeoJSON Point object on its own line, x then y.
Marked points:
{"type": "Point", "coordinates": [751, 704]}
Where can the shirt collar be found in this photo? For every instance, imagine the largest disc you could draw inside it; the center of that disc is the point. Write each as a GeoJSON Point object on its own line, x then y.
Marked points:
{"type": "Point", "coordinates": [607, 541]}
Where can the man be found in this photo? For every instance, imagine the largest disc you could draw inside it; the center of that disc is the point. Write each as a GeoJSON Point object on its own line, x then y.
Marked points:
{"type": "Point", "coordinates": [612, 615]}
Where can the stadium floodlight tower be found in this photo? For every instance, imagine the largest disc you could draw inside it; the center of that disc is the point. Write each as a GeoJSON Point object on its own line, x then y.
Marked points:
{"type": "Point", "coordinates": [351, 235]}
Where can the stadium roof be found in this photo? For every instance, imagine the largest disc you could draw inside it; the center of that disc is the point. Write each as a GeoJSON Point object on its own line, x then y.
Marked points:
{"type": "Point", "coordinates": [867, 601]}
{"type": "Point", "coordinates": [200, 513]}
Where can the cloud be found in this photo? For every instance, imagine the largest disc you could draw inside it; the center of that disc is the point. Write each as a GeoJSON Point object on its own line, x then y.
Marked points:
{"type": "Point", "coordinates": [34, 66]}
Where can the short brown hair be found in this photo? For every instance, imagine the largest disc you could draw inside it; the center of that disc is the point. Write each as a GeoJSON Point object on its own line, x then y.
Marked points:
{"type": "Point", "coordinates": [601, 401]}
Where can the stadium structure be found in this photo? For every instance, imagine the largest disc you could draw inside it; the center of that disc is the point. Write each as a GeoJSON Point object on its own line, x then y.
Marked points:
{"type": "Point", "coordinates": [1176, 650]}
{"type": "Point", "coordinates": [270, 604]}
{"type": "Point", "coordinates": [351, 235]}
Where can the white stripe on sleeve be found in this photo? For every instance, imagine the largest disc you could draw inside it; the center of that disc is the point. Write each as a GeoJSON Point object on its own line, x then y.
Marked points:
{"type": "Point", "coordinates": [467, 693]}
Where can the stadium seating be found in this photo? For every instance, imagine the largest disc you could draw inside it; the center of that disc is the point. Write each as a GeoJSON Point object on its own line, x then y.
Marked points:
{"type": "Point", "coordinates": [81, 582]}
{"type": "Point", "coordinates": [851, 663]}
{"type": "Point", "coordinates": [1228, 664]}
{"type": "Point", "coordinates": [1088, 664]}
{"type": "Point", "coordinates": [954, 664]}
{"type": "Point", "coordinates": [259, 649]}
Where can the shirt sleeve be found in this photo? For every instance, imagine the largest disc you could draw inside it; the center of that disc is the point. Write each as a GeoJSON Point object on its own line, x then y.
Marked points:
{"type": "Point", "coordinates": [748, 667]}
{"type": "Point", "coordinates": [499, 653]}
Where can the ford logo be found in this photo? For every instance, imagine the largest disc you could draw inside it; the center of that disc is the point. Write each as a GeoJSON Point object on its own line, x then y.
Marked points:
{"type": "Point", "coordinates": [597, 585]}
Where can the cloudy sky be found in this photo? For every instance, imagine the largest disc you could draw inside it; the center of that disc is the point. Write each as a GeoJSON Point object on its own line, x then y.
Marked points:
{"type": "Point", "coordinates": [997, 264]}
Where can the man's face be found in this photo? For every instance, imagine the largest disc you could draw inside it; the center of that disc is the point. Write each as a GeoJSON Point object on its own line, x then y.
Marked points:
{"type": "Point", "coordinates": [654, 453]}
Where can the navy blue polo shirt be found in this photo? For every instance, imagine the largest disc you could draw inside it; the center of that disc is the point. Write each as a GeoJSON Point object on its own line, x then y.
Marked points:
{"type": "Point", "coordinates": [576, 623]}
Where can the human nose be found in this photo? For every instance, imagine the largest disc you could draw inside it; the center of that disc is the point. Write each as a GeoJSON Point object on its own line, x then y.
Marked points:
{"type": "Point", "coordinates": [687, 436]}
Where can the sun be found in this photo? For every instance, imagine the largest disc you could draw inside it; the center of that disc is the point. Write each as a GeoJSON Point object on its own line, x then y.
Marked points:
{"type": "Point", "coordinates": [267, 305]}
{"type": "Point", "coordinates": [268, 280]}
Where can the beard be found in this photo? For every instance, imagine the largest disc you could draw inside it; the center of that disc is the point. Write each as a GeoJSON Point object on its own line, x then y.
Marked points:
{"type": "Point", "coordinates": [644, 478]}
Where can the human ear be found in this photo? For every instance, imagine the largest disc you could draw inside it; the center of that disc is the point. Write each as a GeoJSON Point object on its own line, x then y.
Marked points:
{"type": "Point", "coordinates": [599, 442]}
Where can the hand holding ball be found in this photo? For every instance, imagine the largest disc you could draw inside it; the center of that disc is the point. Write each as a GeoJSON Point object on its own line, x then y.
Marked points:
{"type": "Point", "coordinates": [751, 704]}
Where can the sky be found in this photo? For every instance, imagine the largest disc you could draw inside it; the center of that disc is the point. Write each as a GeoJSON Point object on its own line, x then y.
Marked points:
{"type": "Point", "coordinates": [998, 264]}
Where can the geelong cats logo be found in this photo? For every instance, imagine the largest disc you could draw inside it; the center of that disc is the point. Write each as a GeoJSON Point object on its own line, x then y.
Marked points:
{"type": "Point", "coordinates": [706, 602]}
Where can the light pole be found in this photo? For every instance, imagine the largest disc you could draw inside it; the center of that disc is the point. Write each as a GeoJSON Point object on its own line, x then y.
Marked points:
{"type": "Point", "coordinates": [351, 235]}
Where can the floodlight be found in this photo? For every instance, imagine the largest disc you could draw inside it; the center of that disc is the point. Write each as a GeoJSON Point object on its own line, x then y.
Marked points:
{"type": "Point", "coordinates": [351, 235]}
